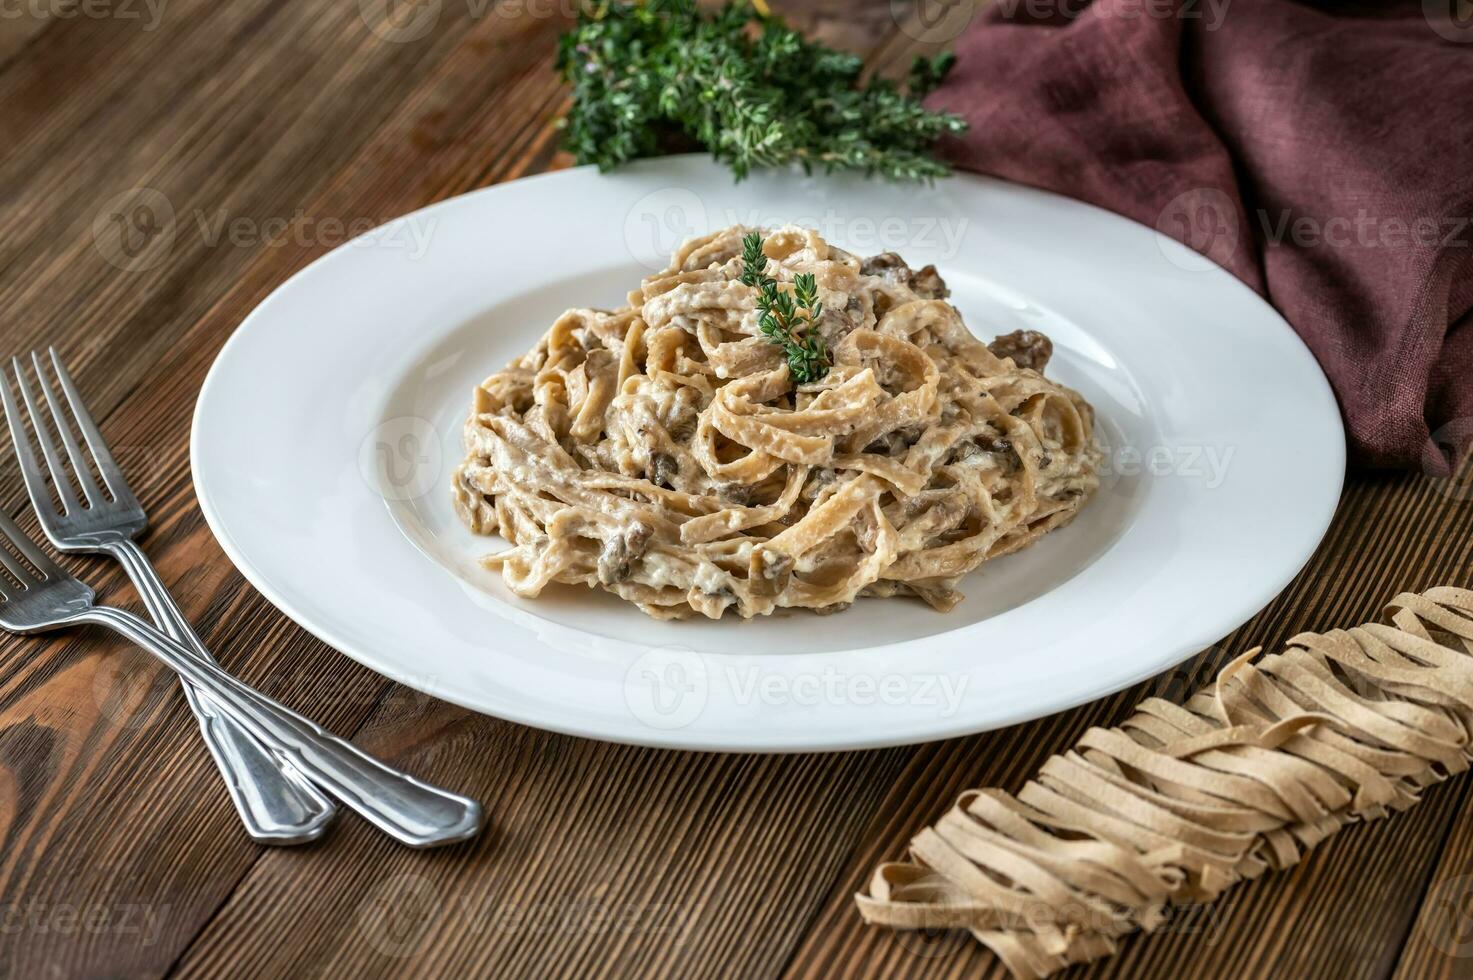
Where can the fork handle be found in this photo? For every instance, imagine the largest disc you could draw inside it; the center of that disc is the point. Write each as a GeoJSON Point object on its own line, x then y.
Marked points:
{"type": "Point", "coordinates": [413, 812]}
{"type": "Point", "coordinates": [276, 804]}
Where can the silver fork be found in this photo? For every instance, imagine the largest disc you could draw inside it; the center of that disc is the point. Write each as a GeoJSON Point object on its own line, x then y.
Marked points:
{"type": "Point", "coordinates": [38, 596]}
{"type": "Point", "coordinates": [275, 803]}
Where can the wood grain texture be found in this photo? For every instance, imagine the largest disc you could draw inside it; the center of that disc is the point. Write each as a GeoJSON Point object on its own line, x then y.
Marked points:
{"type": "Point", "coordinates": [263, 125]}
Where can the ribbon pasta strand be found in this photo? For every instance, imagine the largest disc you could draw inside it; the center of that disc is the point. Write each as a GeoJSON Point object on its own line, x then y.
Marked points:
{"type": "Point", "coordinates": [661, 451]}
{"type": "Point", "coordinates": [1181, 802]}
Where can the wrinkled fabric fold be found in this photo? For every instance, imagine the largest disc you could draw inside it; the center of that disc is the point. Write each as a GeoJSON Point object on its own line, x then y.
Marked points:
{"type": "Point", "coordinates": [1324, 158]}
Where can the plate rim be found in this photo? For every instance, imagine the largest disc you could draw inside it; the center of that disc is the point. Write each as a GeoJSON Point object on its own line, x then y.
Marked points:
{"type": "Point", "coordinates": [682, 739]}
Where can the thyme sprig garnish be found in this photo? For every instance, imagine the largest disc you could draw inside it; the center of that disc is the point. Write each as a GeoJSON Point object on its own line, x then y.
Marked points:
{"type": "Point", "coordinates": [787, 319]}
{"type": "Point", "coordinates": [741, 83]}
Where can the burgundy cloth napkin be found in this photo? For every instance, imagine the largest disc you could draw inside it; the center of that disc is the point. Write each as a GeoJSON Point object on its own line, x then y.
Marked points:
{"type": "Point", "coordinates": [1325, 159]}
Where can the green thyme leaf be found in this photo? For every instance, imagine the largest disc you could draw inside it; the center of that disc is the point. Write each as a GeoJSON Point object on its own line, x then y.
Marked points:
{"type": "Point", "coordinates": [647, 73]}
{"type": "Point", "coordinates": [754, 263]}
{"type": "Point", "coordinates": [803, 346]}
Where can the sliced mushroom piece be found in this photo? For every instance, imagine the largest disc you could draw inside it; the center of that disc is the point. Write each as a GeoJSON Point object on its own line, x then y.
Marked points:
{"type": "Point", "coordinates": [735, 493]}
{"type": "Point", "coordinates": [662, 468]}
{"type": "Point", "coordinates": [770, 572]}
{"type": "Point", "coordinates": [928, 283]}
{"type": "Point", "coordinates": [620, 552]}
{"type": "Point", "coordinates": [883, 264]}
{"type": "Point", "coordinates": [1027, 348]}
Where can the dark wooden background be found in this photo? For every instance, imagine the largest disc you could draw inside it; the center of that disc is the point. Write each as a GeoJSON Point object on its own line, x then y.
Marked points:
{"type": "Point", "coordinates": [119, 852]}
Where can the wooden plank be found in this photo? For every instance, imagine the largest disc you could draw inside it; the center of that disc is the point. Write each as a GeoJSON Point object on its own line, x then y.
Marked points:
{"type": "Point", "coordinates": [611, 832]}
{"type": "Point", "coordinates": [120, 853]}
{"type": "Point", "coordinates": [1343, 912]}
{"type": "Point", "coordinates": [614, 833]}
{"type": "Point", "coordinates": [1440, 943]}
{"type": "Point", "coordinates": [17, 32]}
{"type": "Point", "coordinates": [111, 807]}
{"type": "Point", "coordinates": [601, 860]}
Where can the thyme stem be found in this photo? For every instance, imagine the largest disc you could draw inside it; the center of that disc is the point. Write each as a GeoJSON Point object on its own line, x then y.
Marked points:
{"type": "Point", "coordinates": [738, 81]}
{"type": "Point", "coordinates": [778, 314]}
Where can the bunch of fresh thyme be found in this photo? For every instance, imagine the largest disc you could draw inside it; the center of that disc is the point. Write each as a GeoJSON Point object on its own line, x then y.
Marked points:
{"type": "Point", "coordinates": [741, 83]}
{"type": "Point", "coordinates": [778, 314]}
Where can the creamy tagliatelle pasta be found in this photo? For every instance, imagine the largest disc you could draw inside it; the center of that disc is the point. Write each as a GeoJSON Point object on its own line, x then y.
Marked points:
{"type": "Point", "coordinates": [662, 452]}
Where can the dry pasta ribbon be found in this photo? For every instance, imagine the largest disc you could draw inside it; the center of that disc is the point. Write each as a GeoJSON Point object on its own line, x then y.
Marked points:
{"type": "Point", "coordinates": [1180, 802]}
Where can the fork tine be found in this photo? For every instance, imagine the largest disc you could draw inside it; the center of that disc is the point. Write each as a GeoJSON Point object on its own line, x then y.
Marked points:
{"type": "Point", "coordinates": [48, 449]}
{"type": "Point", "coordinates": [14, 535]}
{"type": "Point", "coordinates": [73, 451]}
{"type": "Point", "coordinates": [30, 469]}
{"type": "Point", "coordinates": [17, 570]}
{"type": "Point", "coordinates": [112, 474]}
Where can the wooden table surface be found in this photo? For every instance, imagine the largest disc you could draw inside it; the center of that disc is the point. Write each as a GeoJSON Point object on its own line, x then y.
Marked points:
{"type": "Point", "coordinates": [268, 127]}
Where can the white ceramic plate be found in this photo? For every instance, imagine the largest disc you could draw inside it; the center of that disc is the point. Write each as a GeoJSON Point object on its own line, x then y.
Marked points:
{"type": "Point", "coordinates": [327, 430]}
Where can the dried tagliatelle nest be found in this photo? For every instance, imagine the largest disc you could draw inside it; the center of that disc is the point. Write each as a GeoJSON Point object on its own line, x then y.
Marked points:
{"type": "Point", "coordinates": [663, 452]}
{"type": "Point", "coordinates": [1180, 802]}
